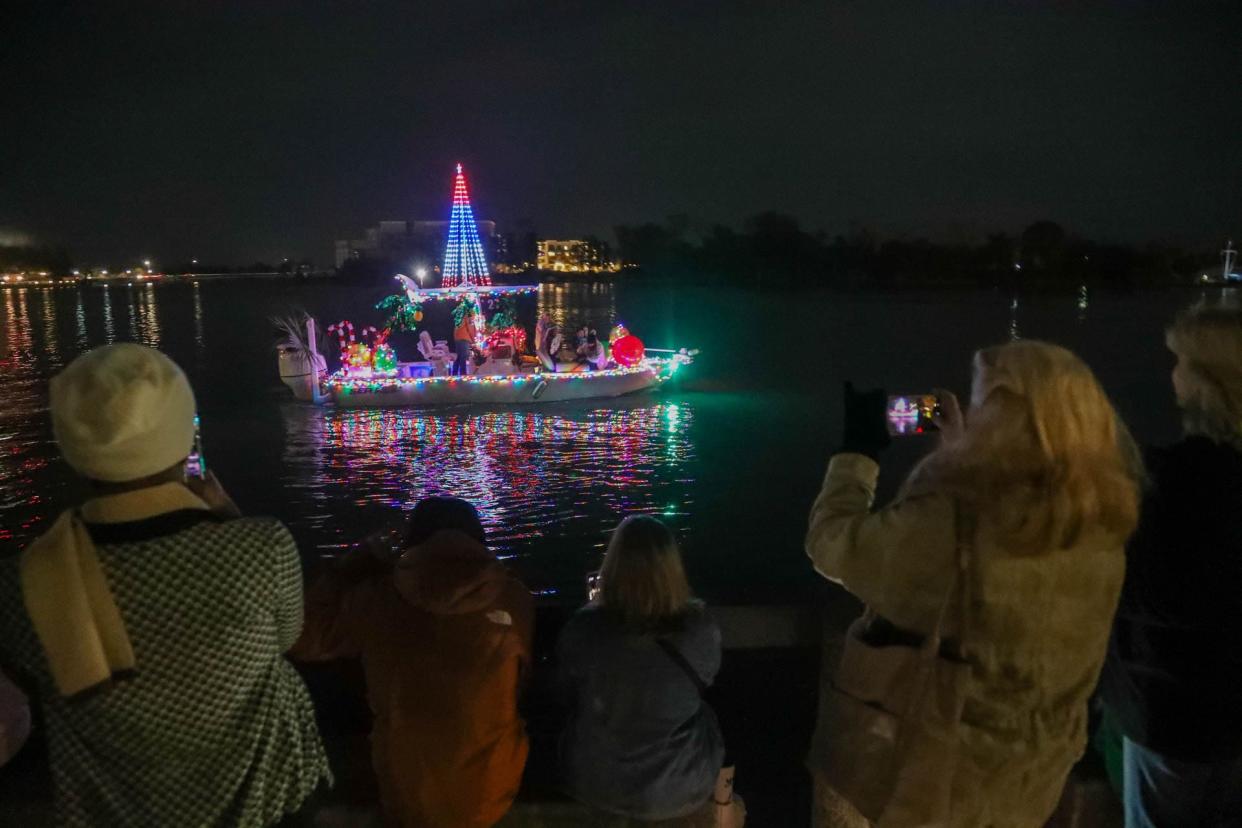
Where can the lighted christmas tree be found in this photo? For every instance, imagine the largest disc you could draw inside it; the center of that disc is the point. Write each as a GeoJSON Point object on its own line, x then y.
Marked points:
{"type": "Point", "coordinates": [464, 263]}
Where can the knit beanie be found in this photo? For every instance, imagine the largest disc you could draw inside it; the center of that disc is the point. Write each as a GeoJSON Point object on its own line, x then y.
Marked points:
{"type": "Point", "coordinates": [122, 412]}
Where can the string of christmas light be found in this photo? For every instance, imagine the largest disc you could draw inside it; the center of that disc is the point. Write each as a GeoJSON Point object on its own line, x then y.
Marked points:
{"type": "Point", "coordinates": [487, 291]}
{"type": "Point", "coordinates": [464, 263]}
{"type": "Point", "coordinates": [663, 368]}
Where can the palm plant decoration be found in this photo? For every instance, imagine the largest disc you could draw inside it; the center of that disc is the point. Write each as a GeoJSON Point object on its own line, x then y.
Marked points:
{"type": "Point", "coordinates": [402, 314]}
{"type": "Point", "coordinates": [294, 340]}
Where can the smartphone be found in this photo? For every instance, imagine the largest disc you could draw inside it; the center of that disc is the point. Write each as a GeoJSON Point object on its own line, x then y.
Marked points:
{"type": "Point", "coordinates": [909, 414]}
{"type": "Point", "coordinates": [592, 581]}
{"type": "Point", "coordinates": [195, 465]}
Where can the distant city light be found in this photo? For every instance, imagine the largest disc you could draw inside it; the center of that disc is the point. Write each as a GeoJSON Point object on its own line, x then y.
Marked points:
{"type": "Point", "coordinates": [146, 263]}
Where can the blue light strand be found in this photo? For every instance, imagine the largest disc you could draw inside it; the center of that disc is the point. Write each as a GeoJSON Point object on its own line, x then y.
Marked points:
{"type": "Point", "coordinates": [464, 262]}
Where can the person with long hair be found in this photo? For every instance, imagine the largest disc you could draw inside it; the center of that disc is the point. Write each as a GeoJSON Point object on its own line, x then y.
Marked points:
{"type": "Point", "coordinates": [1174, 667]}
{"type": "Point", "coordinates": [641, 742]}
{"type": "Point", "coordinates": [1035, 490]}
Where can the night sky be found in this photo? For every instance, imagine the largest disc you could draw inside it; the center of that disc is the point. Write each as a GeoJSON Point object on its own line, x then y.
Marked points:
{"type": "Point", "coordinates": [229, 132]}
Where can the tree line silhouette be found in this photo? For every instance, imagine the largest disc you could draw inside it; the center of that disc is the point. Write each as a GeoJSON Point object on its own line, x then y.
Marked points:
{"type": "Point", "coordinates": [772, 249]}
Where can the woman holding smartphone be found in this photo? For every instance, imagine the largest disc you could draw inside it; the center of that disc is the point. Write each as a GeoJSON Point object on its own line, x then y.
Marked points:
{"type": "Point", "coordinates": [1018, 518]}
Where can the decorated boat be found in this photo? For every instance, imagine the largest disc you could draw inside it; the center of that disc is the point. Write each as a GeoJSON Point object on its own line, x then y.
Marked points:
{"type": "Point", "coordinates": [490, 361]}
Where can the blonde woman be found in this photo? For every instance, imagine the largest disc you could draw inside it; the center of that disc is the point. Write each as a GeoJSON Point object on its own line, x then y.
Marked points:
{"type": "Point", "coordinates": [641, 742]}
{"type": "Point", "coordinates": [1043, 472]}
{"type": "Point", "coordinates": [1174, 667]}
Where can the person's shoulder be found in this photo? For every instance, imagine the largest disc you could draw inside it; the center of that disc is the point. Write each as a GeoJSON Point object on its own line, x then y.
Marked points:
{"type": "Point", "coordinates": [591, 620]}
{"type": "Point", "coordinates": [517, 594]}
{"type": "Point", "coordinates": [591, 614]}
{"type": "Point", "coordinates": [249, 537]}
{"type": "Point", "coordinates": [267, 528]}
{"type": "Point", "coordinates": [697, 624]}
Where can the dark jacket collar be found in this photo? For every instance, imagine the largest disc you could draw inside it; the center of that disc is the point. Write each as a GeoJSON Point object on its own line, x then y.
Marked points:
{"type": "Point", "coordinates": [137, 531]}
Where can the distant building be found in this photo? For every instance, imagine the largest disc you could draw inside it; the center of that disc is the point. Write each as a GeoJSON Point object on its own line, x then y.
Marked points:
{"type": "Point", "coordinates": [405, 242]}
{"type": "Point", "coordinates": [575, 256]}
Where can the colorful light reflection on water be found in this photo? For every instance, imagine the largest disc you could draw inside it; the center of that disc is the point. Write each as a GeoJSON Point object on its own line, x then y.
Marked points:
{"type": "Point", "coordinates": [534, 475]}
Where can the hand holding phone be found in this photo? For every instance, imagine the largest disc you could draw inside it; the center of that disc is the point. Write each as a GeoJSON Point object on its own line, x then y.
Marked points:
{"type": "Point", "coordinates": [862, 430]}
{"type": "Point", "coordinates": [949, 418]}
{"type": "Point", "coordinates": [909, 414]}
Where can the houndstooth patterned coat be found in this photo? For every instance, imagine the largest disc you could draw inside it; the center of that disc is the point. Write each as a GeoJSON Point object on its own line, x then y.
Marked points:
{"type": "Point", "coordinates": [215, 728]}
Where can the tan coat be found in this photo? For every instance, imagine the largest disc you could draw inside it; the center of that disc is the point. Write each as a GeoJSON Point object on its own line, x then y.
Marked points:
{"type": "Point", "coordinates": [1038, 630]}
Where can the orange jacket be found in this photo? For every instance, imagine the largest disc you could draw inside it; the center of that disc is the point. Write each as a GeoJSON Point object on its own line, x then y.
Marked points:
{"type": "Point", "coordinates": [445, 643]}
{"type": "Point", "coordinates": [466, 330]}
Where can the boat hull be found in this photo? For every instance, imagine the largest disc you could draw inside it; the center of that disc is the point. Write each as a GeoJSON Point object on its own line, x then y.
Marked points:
{"type": "Point", "coordinates": [526, 389]}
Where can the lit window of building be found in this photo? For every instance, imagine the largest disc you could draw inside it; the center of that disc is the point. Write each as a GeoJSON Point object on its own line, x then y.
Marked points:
{"type": "Point", "coordinates": [574, 256]}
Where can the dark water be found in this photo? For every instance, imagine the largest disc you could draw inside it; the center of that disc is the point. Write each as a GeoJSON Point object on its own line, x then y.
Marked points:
{"type": "Point", "coordinates": [731, 456]}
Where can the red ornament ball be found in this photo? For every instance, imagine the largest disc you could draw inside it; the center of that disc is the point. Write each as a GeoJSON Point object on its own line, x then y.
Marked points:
{"type": "Point", "coordinates": [628, 350]}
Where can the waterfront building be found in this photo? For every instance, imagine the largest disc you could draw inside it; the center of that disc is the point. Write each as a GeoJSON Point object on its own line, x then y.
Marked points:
{"type": "Point", "coordinates": [404, 242]}
{"type": "Point", "coordinates": [575, 256]}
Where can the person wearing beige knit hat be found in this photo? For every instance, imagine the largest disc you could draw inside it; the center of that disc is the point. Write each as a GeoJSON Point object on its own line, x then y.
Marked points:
{"type": "Point", "coordinates": [1174, 667]}
{"type": "Point", "coordinates": [122, 412]}
{"type": "Point", "coordinates": [153, 619]}
{"type": "Point", "coordinates": [123, 416]}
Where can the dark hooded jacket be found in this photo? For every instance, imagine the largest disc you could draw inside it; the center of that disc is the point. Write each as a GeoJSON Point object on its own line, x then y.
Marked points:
{"type": "Point", "coordinates": [1174, 669]}
{"type": "Point", "coordinates": [445, 642]}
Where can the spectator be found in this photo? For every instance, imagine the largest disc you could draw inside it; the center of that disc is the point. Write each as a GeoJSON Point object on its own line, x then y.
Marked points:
{"type": "Point", "coordinates": [1035, 492]}
{"type": "Point", "coordinates": [153, 620]}
{"type": "Point", "coordinates": [1174, 667]}
{"type": "Point", "coordinates": [641, 742]}
{"type": "Point", "coordinates": [444, 634]}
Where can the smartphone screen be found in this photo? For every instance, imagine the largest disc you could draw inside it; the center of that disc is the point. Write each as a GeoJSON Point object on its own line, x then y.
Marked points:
{"type": "Point", "coordinates": [592, 581]}
{"type": "Point", "coordinates": [195, 465]}
{"type": "Point", "coordinates": [909, 414]}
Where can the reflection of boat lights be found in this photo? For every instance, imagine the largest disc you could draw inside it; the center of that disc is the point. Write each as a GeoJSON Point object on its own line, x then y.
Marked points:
{"type": "Point", "coordinates": [674, 414]}
{"type": "Point", "coordinates": [531, 474]}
